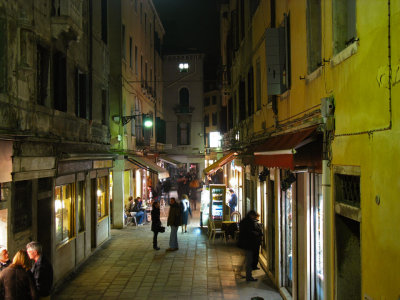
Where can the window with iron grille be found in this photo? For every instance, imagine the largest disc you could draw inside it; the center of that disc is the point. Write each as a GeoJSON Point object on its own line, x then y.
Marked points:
{"type": "Point", "coordinates": [347, 189]}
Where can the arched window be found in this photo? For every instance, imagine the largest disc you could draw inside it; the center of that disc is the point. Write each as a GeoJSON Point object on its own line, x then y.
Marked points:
{"type": "Point", "coordinates": [184, 97]}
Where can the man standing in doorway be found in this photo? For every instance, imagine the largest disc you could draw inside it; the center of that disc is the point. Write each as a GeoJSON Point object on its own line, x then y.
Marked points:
{"type": "Point", "coordinates": [232, 202]}
{"type": "Point", "coordinates": [42, 270]}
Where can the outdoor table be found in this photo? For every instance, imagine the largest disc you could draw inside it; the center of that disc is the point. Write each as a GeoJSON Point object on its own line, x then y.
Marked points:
{"type": "Point", "coordinates": [230, 227]}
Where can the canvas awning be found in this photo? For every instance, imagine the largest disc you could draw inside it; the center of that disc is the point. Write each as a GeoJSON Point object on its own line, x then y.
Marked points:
{"type": "Point", "coordinates": [279, 151]}
{"type": "Point", "coordinates": [169, 160]}
{"type": "Point", "coordinates": [147, 164]}
{"type": "Point", "coordinates": [219, 163]}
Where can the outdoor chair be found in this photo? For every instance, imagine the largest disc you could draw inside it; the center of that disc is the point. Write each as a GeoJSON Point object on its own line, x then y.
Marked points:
{"type": "Point", "coordinates": [216, 231]}
{"type": "Point", "coordinates": [133, 219]}
{"type": "Point", "coordinates": [236, 217]}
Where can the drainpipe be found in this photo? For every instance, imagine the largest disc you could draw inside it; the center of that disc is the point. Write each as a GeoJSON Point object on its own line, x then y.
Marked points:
{"type": "Point", "coordinates": [327, 228]}
{"type": "Point", "coordinates": [327, 215]}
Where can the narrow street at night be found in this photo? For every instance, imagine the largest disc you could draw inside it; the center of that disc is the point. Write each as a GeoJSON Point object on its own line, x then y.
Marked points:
{"type": "Point", "coordinates": [127, 267]}
{"type": "Point", "coordinates": [275, 123]}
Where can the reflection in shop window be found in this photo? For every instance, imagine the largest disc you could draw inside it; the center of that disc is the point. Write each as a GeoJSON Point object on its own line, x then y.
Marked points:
{"type": "Point", "coordinates": [64, 211]}
{"type": "Point", "coordinates": [102, 205]}
{"type": "Point", "coordinates": [81, 206]}
{"type": "Point", "coordinates": [287, 261]}
{"type": "Point", "coordinates": [318, 232]}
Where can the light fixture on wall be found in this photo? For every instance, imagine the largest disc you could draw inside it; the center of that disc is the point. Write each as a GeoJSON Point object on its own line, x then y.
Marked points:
{"type": "Point", "coordinates": [147, 119]}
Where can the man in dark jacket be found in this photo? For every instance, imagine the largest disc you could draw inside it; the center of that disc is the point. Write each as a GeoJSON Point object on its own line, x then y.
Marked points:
{"type": "Point", "coordinates": [4, 259]}
{"type": "Point", "coordinates": [174, 220]}
{"type": "Point", "coordinates": [42, 270]}
{"type": "Point", "coordinates": [155, 223]}
{"type": "Point", "coordinates": [250, 236]}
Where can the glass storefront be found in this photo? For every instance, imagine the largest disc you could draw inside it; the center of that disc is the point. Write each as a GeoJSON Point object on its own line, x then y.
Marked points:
{"type": "Point", "coordinates": [64, 212]}
{"type": "Point", "coordinates": [317, 228]}
{"type": "Point", "coordinates": [81, 205]}
{"type": "Point", "coordinates": [271, 226]}
{"type": "Point", "coordinates": [102, 199]}
{"type": "Point", "coordinates": [286, 234]}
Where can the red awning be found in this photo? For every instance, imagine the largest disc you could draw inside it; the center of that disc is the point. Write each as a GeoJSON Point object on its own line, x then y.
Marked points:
{"type": "Point", "coordinates": [219, 163]}
{"type": "Point", "coordinates": [279, 151]}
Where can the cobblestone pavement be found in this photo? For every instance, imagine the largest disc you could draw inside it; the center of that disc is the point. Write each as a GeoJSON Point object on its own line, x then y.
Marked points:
{"type": "Point", "coordinates": [127, 267]}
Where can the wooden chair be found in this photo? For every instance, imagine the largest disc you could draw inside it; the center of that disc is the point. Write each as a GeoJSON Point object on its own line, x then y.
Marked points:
{"type": "Point", "coordinates": [216, 231]}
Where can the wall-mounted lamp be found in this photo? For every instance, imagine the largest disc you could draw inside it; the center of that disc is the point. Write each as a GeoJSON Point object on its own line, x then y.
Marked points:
{"type": "Point", "coordinates": [147, 119]}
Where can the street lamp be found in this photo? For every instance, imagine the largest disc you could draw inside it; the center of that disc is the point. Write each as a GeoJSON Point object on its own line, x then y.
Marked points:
{"type": "Point", "coordinates": [146, 118]}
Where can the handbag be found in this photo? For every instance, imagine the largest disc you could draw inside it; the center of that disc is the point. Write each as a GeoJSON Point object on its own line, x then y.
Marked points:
{"type": "Point", "coordinates": [161, 229]}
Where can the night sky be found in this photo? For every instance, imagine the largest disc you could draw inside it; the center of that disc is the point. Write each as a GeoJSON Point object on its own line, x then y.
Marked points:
{"type": "Point", "coordinates": [191, 26]}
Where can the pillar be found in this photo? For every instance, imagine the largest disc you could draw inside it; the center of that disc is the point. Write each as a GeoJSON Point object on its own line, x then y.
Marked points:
{"type": "Point", "coordinates": [118, 193]}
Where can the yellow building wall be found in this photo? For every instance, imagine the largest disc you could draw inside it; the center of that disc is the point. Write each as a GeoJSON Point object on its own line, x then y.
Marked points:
{"type": "Point", "coordinates": [303, 95]}
{"type": "Point", "coordinates": [359, 86]}
{"type": "Point", "coordinates": [361, 106]}
{"type": "Point", "coordinates": [260, 22]}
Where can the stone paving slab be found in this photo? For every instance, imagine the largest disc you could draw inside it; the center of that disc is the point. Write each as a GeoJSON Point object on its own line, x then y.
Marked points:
{"type": "Point", "coordinates": [127, 267]}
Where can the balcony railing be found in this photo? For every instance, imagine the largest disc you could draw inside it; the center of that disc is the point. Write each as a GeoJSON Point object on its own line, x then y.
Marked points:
{"type": "Point", "coordinates": [66, 19]}
{"type": "Point", "coordinates": [182, 109]}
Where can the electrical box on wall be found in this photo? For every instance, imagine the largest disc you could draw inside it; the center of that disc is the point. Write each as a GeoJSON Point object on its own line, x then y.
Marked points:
{"type": "Point", "coordinates": [276, 60]}
{"type": "Point", "coordinates": [327, 107]}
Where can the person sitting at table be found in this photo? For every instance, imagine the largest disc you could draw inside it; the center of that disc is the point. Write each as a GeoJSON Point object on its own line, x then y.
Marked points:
{"type": "Point", "coordinates": [137, 208]}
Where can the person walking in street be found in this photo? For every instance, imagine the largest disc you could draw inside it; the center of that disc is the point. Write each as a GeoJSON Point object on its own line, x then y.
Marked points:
{"type": "Point", "coordinates": [4, 259]}
{"type": "Point", "coordinates": [183, 184]}
{"type": "Point", "coordinates": [174, 221]}
{"type": "Point", "coordinates": [232, 202]}
{"type": "Point", "coordinates": [42, 270]}
{"type": "Point", "coordinates": [186, 211]}
{"type": "Point", "coordinates": [166, 187]}
{"type": "Point", "coordinates": [194, 185]}
{"type": "Point", "coordinates": [250, 236]}
{"type": "Point", "coordinates": [156, 223]}
{"type": "Point", "coordinates": [16, 281]}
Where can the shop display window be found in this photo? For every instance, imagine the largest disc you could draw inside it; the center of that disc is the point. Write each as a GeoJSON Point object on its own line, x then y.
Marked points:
{"type": "Point", "coordinates": [64, 212]}
{"type": "Point", "coordinates": [317, 206]}
{"type": "Point", "coordinates": [286, 233]}
{"type": "Point", "coordinates": [81, 206]}
{"type": "Point", "coordinates": [102, 199]}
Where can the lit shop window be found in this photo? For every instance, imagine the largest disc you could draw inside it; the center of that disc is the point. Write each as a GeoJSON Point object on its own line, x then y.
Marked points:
{"type": "Point", "coordinates": [81, 205]}
{"type": "Point", "coordinates": [64, 209]}
{"type": "Point", "coordinates": [102, 203]}
{"type": "Point", "coordinates": [183, 67]}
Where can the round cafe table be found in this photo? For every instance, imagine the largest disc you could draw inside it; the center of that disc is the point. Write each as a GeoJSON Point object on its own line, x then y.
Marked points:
{"type": "Point", "coordinates": [230, 227]}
